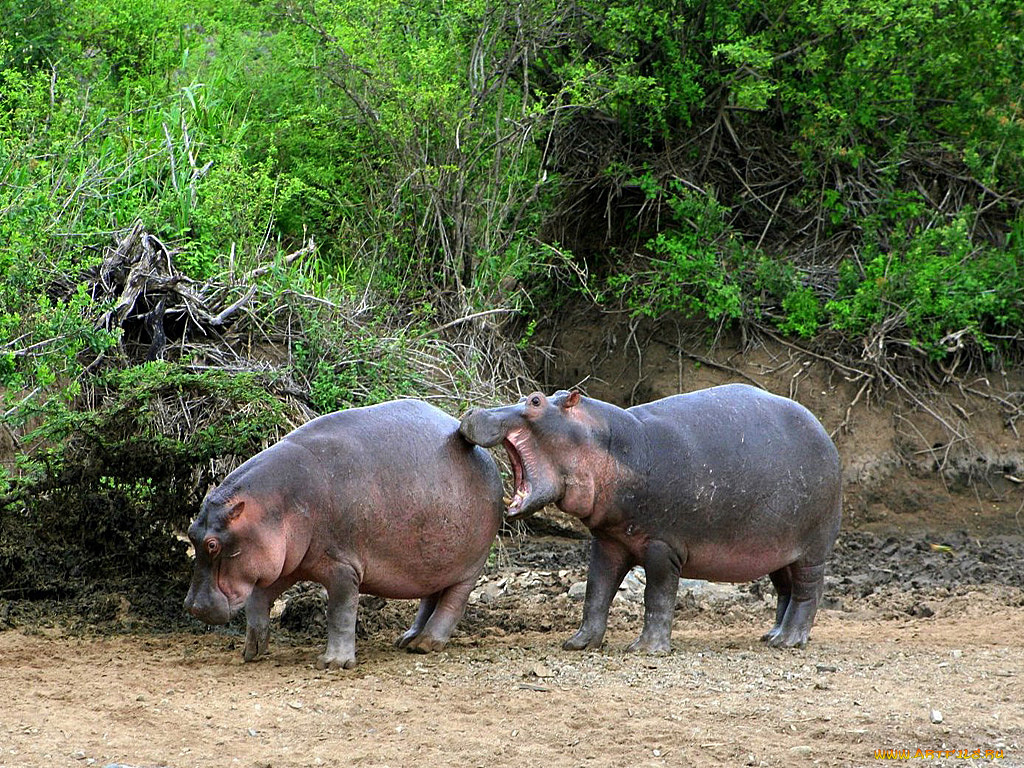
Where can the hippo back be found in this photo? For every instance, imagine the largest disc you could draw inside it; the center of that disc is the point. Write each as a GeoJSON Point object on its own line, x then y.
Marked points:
{"type": "Point", "coordinates": [732, 457]}
{"type": "Point", "coordinates": [408, 494]}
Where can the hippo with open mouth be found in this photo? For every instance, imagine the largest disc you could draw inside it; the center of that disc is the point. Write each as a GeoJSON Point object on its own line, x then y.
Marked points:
{"type": "Point", "coordinates": [725, 484]}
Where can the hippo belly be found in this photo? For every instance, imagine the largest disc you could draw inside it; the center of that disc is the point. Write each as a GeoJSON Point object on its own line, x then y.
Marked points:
{"type": "Point", "coordinates": [737, 563]}
{"type": "Point", "coordinates": [402, 569]}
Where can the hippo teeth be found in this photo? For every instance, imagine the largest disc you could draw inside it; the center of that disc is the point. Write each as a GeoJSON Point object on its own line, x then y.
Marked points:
{"type": "Point", "coordinates": [516, 504]}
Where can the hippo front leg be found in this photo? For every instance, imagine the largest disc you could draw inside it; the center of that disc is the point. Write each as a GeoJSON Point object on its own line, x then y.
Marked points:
{"type": "Point", "coordinates": [342, 605]}
{"type": "Point", "coordinates": [609, 564]}
{"type": "Point", "coordinates": [662, 565]}
{"type": "Point", "coordinates": [257, 619]}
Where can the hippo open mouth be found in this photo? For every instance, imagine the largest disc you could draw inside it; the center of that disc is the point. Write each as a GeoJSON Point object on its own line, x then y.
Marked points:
{"type": "Point", "coordinates": [520, 455]}
{"type": "Point", "coordinates": [522, 486]}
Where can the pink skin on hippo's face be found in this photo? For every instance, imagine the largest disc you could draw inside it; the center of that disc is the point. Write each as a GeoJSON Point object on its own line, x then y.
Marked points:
{"type": "Point", "coordinates": [235, 552]}
{"type": "Point", "coordinates": [542, 439]}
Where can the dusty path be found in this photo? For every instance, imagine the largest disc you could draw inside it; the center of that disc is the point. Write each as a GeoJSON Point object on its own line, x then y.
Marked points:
{"type": "Point", "coordinates": [505, 694]}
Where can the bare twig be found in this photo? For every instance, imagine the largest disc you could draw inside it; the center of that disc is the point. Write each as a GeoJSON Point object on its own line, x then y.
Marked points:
{"type": "Point", "coordinates": [305, 250]}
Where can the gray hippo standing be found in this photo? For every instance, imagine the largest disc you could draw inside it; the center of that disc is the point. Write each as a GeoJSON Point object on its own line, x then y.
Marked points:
{"type": "Point", "coordinates": [724, 484]}
{"type": "Point", "coordinates": [388, 500]}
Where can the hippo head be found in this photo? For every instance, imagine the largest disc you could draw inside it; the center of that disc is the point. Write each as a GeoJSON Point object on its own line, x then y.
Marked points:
{"type": "Point", "coordinates": [237, 548]}
{"type": "Point", "coordinates": [541, 437]}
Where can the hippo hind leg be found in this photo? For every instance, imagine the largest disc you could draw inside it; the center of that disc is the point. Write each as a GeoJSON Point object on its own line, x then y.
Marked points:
{"type": "Point", "coordinates": [440, 613]}
{"type": "Point", "coordinates": [427, 606]}
{"type": "Point", "coordinates": [783, 589]}
{"type": "Point", "coordinates": [799, 588]}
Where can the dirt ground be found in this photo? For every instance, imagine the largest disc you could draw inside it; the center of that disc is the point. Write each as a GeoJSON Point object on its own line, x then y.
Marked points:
{"type": "Point", "coordinates": [920, 646]}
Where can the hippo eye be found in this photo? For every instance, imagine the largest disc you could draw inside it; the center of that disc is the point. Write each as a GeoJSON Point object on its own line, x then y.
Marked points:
{"type": "Point", "coordinates": [535, 401]}
{"type": "Point", "coordinates": [212, 547]}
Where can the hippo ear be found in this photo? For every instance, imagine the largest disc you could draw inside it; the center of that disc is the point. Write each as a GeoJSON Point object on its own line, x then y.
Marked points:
{"type": "Point", "coordinates": [236, 511]}
{"type": "Point", "coordinates": [571, 399]}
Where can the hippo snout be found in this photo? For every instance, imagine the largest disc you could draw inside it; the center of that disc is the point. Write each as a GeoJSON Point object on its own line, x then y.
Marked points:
{"type": "Point", "coordinates": [207, 607]}
{"type": "Point", "coordinates": [480, 427]}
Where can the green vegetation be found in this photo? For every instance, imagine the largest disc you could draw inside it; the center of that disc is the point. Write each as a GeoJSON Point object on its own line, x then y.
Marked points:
{"type": "Point", "coordinates": [771, 154]}
{"type": "Point", "coordinates": [120, 476]}
{"type": "Point", "coordinates": [850, 175]}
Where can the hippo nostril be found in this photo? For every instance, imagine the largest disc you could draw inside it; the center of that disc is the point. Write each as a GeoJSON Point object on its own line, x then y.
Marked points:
{"type": "Point", "coordinates": [192, 606]}
{"type": "Point", "coordinates": [467, 427]}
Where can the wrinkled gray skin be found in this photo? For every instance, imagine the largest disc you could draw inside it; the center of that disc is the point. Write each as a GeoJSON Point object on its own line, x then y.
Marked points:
{"type": "Point", "coordinates": [388, 500]}
{"type": "Point", "coordinates": [724, 484]}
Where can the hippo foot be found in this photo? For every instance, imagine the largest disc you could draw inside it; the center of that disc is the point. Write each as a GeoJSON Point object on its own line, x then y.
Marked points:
{"type": "Point", "coordinates": [582, 642]}
{"type": "Point", "coordinates": [650, 647]}
{"type": "Point", "coordinates": [424, 644]}
{"type": "Point", "coordinates": [779, 638]}
{"type": "Point", "coordinates": [253, 654]}
{"type": "Point", "coordinates": [257, 645]}
{"type": "Point", "coordinates": [407, 638]}
{"type": "Point", "coordinates": [327, 661]}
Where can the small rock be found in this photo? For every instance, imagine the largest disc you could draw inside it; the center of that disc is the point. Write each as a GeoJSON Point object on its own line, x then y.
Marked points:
{"type": "Point", "coordinates": [578, 590]}
{"type": "Point", "coordinates": [801, 751]}
{"type": "Point", "coordinates": [633, 586]}
{"type": "Point", "coordinates": [936, 716]}
{"type": "Point", "coordinates": [295, 704]}
{"type": "Point", "coordinates": [541, 671]}
{"type": "Point", "coordinates": [489, 592]}
{"type": "Point", "coordinates": [921, 610]}
{"type": "Point", "coordinates": [709, 591]}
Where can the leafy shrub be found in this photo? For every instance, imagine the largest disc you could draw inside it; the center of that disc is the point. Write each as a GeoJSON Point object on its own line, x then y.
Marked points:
{"type": "Point", "coordinates": [30, 33]}
{"type": "Point", "coordinates": [820, 129]}
{"type": "Point", "coordinates": [699, 268]}
{"type": "Point", "coordinates": [936, 289]}
{"type": "Point", "coordinates": [689, 269]}
{"type": "Point", "coordinates": [802, 312]}
{"type": "Point", "coordinates": [106, 490]}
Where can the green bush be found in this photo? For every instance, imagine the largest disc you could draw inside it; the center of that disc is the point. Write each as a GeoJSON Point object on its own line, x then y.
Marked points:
{"type": "Point", "coordinates": [104, 491]}
{"type": "Point", "coordinates": [936, 289]}
{"type": "Point", "coordinates": [691, 271]}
